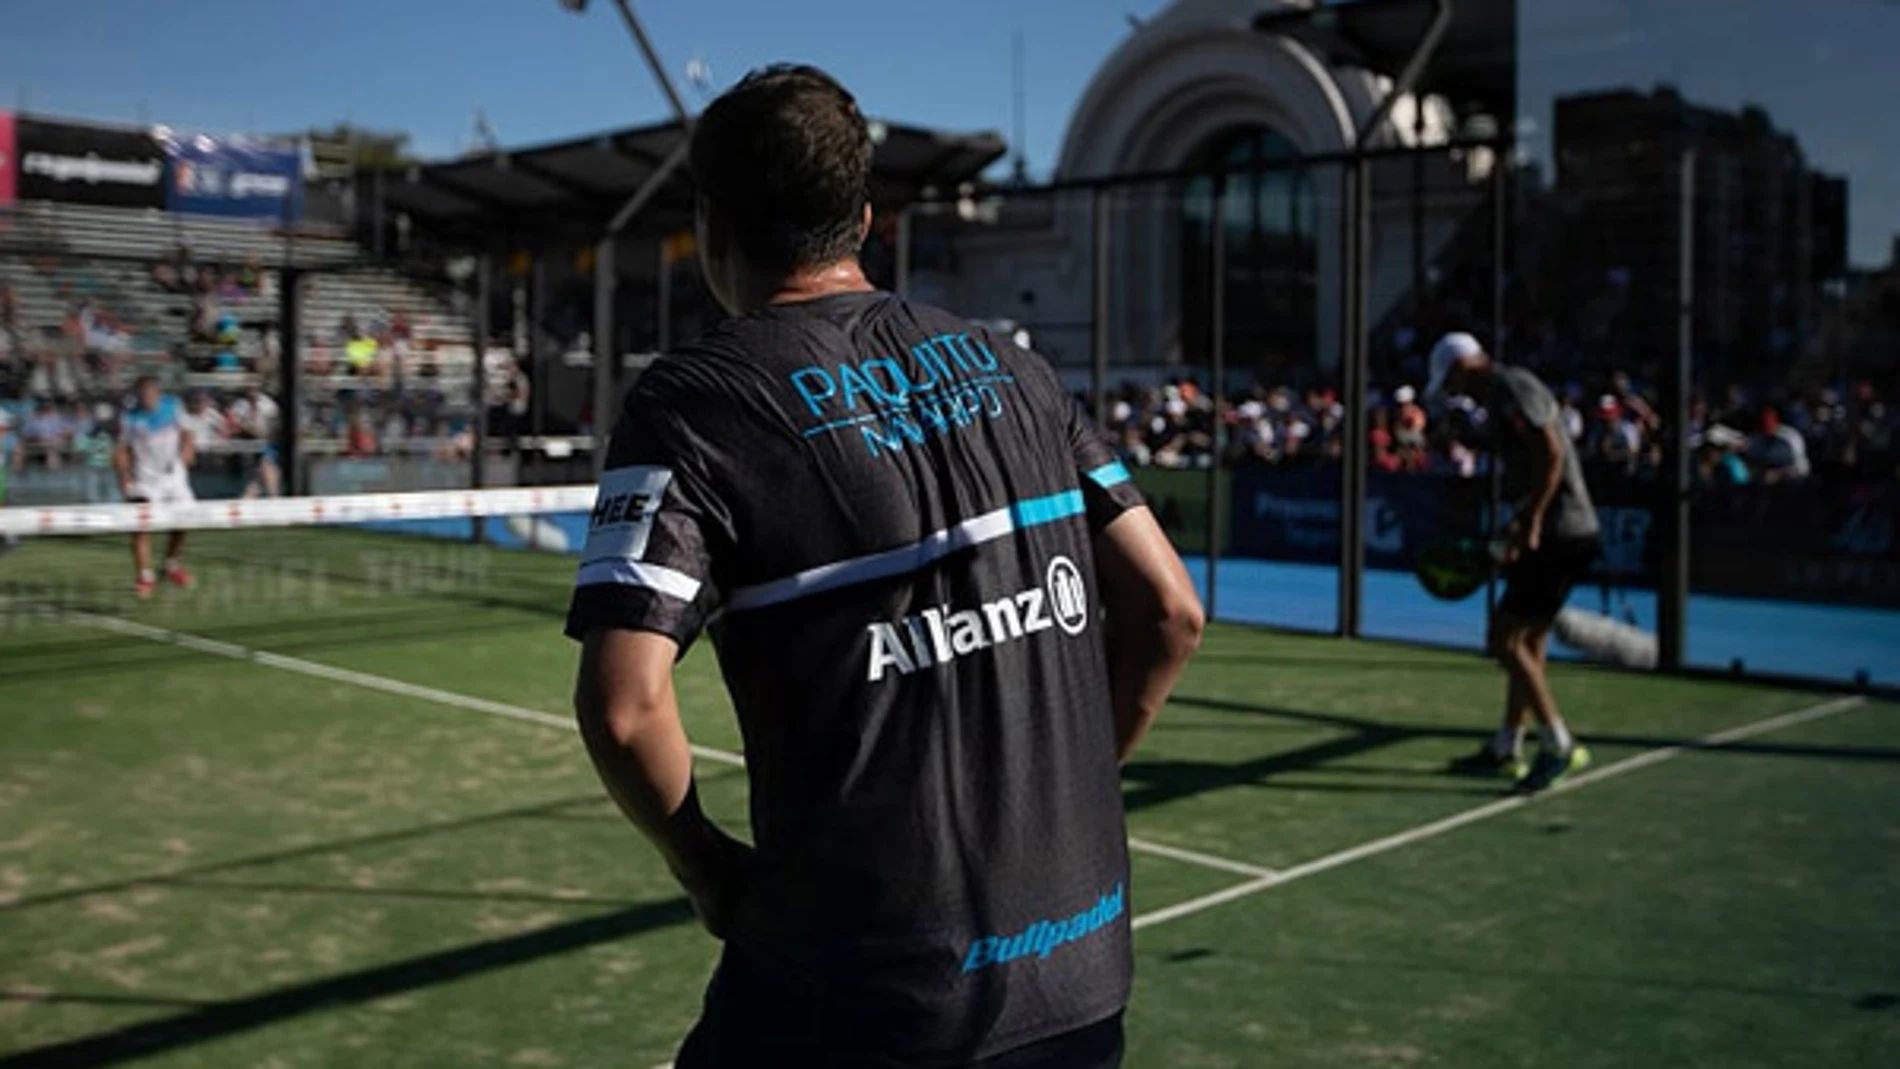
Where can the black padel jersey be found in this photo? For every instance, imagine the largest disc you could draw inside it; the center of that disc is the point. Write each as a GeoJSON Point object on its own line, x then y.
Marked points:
{"type": "Point", "coordinates": [886, 512]}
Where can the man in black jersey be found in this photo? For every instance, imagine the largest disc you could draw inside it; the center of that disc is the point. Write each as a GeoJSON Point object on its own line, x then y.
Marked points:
{"type": "Point", "coordinates": [942, 611]}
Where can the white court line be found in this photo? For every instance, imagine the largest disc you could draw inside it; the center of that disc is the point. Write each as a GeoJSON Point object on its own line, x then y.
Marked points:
{"type": "Point", "coordinates": [361, 679]}
{"type": "Point", "coordinates": [216, 648]}
{"type": "Point", "coordinates": [1491, 809]}
{"type": "Point", "coordinates": [1194, 857]}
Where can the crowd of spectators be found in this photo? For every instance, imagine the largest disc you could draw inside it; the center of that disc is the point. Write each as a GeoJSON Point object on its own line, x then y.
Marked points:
{"type": "Point", "coordinates": [370, 390]}
{"type": "Point", "coordinates": [1740, 436]}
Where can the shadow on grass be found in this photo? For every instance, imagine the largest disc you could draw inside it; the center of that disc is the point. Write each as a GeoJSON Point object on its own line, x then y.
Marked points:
{"type": "Point", "coordinates": [101, 998]}
{"type": "Point", "coordinates": [1400, 732]}
{"type": "Point", "coordinates": [328, 846]}
{"type": "Point", "coordinates": [344, 890]}
{"type": "Point", "coordinates": [112, 652]}
{"type": "Point", "coordinates": [227, 1018]}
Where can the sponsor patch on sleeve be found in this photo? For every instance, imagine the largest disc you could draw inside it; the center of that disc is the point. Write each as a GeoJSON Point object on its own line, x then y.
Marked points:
{"type": "Point", "coordinates": [624, 508]}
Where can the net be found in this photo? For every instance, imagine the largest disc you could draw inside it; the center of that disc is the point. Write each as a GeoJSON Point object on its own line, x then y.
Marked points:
{"type": "Point", "coordinates": [341, 569]}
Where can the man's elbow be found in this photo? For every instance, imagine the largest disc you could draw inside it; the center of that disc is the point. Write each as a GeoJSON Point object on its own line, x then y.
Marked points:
{"type": "Point", "coordinates": [1183, 623]}
{"type": "Point", "coordinates": [621, 718]}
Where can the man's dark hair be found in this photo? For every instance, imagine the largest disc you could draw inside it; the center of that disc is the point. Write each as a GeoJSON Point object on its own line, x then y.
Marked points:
{"type": "Point", "coordinates": [784, 158]}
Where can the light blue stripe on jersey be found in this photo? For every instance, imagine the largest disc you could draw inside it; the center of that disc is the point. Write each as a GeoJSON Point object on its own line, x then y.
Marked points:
{"type": "Point", "coordinates": [916, 556]}
{"type": "Point", "coordinates": [1038, 511]}
{"type": "Point", "coordinates": [1110, 474]}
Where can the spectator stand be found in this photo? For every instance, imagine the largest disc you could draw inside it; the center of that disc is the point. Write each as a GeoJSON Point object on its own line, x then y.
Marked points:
{"type": "Point", "coordinates": [527, 223]}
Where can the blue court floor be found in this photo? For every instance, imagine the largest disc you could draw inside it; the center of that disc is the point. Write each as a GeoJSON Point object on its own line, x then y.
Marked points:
{"type": "Point", "coordinates": [1780, 637]}
{"type": "Point", "coordinates": [1826, 642]}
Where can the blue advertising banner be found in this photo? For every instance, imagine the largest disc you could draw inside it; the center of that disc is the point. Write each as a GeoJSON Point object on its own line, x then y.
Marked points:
{"type": "Point", "coordinates": [1816, 541]}
{"type": "Point", "coordinates": [233, 176]}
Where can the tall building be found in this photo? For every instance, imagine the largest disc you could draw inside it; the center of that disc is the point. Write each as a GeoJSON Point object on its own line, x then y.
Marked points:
{"type": "Point", "coordinates": [1275, 92]}
{"type": "Point", "coordinates": [1757, 247]}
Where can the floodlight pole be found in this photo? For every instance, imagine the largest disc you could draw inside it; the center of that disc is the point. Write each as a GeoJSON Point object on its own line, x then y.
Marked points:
{"type": "Point", "coordinates": [606, 283]}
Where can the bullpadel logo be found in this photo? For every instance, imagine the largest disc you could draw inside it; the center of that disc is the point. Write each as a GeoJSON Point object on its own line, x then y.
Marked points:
{"type": "Point", "coordinates": [941, 635]}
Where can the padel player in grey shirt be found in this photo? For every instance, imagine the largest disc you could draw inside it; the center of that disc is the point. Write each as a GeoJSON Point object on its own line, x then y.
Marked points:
{"type": "Point", "coordinates": [1553, 539]}
{"type": "Point", "coordinates": [943, 614]}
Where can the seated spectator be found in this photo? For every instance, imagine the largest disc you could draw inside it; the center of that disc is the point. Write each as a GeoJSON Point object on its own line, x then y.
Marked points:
{"type": "Point", "coordinates": [47, 433]}
{"type": "Point", "coordinates": [53, 375]}
{"type": "Point", "coordinates": [1778, 452]}
{"type": "Point", "coordinates": [1614, 443]}
{"type": "Point", "coordinates": [1719, 462]}
{"type": "Point", "coordinates": [92, 449]}
{"type": "Point", "coordinates": [359, 439]}
{"type": "Point", "coordinates": [360, 357]}
{"type": "Point", "coordinates": [203, 420]}
{"type": "Point", "coordinates": [1385, 456]}
{"type": "Point", "coordinates": [254, 415]}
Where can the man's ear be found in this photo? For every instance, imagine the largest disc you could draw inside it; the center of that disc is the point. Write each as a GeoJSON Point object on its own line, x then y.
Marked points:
{"type": "Point", "coordinates": [864, 225]}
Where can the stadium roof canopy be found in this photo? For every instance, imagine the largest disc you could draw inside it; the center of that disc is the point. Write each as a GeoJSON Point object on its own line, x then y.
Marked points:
{"type": "Point", "coordinates": [1475, 65]}
{"type": "Point", "coordinates": [577, 186]}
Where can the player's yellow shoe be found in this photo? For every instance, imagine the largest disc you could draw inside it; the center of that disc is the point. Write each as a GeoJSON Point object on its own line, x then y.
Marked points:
{"type": "Point", "coordinates": [1489, 764]}
{"type": "Point", "coordinates": [1550, 768]}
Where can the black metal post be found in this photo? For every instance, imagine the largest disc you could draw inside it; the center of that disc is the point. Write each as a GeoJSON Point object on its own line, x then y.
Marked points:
{"type": "Point", "coordinates": [540, 359]}
{"type": "Point", "coordinates": [290, 365]}
{"type": "Point", "coordinates": [1352, 389]}
{"type": "Point", "coordinates": [1217, 374]}
{"type": "Point", "coordinates": [605, 406]}
{"type": "Point", "coordinates": [1672, 603]}
{"type": "Point", "coordinates": [1500, 227]}
{"type": "Point", "coordinates": [1355, 252]}
{"type": "Point", "coordinates": [901, 254]}
{"type": "Point", "coordinates": [663, 296]}
{"type": "Point", "coordinates": [1099, 306]}
{"type": "Point", "coordinates": [478, 458]}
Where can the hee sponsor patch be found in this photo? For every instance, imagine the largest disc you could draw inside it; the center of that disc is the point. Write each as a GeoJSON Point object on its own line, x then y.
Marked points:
{"type": "Point", "coordinates": [622, 520]}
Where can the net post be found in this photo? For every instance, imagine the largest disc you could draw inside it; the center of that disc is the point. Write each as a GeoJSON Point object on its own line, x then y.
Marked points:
{"type": "Point", "coordinates": [290, 366]}
{"type": "Point", "coordinates": [1217, 375]}
{"type": "Point", "coordinates": [1672, 604]}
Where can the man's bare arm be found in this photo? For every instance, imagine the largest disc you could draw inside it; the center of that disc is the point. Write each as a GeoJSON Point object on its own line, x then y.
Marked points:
{"type": "Point", "coordinates": [629, 719]}
{"type": "Point", "coordinates": [1155, 620]}
{"type": "Point", "coordinates": [1551, 478]}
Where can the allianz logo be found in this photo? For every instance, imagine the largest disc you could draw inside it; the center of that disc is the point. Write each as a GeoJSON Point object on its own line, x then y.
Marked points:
{"type": "Point", "coordinates": [937, 636]}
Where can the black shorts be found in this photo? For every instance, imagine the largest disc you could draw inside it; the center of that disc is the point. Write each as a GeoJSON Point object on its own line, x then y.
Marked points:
{"type": "Point", "coordinates": [778, 1031]}
{"type": "Point", "coordinates": [1537, 584]}
{"type": "Point", "coordinates": [1097, 1046]}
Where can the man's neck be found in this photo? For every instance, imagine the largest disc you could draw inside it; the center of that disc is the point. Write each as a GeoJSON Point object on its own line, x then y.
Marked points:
{"type": "Point", "coordinates": [813, 283]}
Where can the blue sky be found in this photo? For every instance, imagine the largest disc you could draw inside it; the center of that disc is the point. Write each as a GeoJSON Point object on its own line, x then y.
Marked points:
{"type": "Point", "coordinates": [1823, 68]}
{"type": "Point", "coordinates": [538, 72]}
